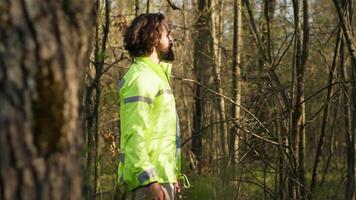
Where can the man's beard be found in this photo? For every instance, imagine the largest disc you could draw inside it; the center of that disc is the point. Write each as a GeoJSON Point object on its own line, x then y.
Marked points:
{"type": "Point", "coordinates": [167, 54]}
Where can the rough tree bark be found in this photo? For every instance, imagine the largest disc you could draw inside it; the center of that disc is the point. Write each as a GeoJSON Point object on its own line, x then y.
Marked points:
{"type": "Point", "coordinates": [43, 51]}
{"type": "Point", "coordinates": [203, 65]}
{"type": "Point", "coordinates": [216, 18]}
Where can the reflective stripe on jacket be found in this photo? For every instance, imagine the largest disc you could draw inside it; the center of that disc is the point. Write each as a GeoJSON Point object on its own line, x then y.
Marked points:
{"type": "Point", "coordinates": [149, 140]}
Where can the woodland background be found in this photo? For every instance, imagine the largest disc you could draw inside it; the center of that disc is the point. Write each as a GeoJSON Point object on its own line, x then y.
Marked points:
{"type": "Point", "coordinates": [265, 91]}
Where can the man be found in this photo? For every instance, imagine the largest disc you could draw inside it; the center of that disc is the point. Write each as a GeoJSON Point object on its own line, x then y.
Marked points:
{"type": "Point", "coordinates": [150, 145]}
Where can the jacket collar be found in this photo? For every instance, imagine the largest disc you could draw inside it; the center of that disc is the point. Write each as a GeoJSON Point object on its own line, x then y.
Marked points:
{"type": "Point", "coordinates": [162, 69]}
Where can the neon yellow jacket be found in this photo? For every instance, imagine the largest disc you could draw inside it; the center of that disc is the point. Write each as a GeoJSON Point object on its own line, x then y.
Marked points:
{"type": "Point", "coordinates": [149, 140]}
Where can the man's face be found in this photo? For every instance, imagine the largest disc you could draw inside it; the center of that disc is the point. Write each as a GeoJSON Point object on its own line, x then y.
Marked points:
{"type": "Point", "coordinates": [165, 46]}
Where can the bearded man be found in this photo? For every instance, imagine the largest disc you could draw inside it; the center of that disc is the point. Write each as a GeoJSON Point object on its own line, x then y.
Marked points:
{"type": "Point", "coordinates": [149, 141]}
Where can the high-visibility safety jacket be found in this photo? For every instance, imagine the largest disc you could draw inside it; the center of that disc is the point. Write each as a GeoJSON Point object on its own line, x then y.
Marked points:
{"type": "Point", "coordinates": [149, 140]}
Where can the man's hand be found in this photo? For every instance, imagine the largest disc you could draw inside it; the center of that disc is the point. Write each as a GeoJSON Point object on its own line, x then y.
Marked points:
{"type": "Point", "coordinates": [156, 191]}
{"type": "Point", "coordinates": [176, 187]}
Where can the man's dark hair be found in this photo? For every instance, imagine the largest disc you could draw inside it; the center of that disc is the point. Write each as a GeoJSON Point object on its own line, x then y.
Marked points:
{"type": "Point", "coordinates": [144, 34]}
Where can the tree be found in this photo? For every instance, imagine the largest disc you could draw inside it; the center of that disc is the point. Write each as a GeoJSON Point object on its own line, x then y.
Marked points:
{"type": "Point", "coordinates": [92, 96]}
{"type": "Point", "coordinates": [236, 78]}
{"type": "Point", "coordinates": [298, 116]}
{"type": "Point", "coordinates": [345, 21]}
{"type": "Point", "coordinates": [216, 18]}
{"type": "Point", "coordinates": [203, 65]}
{"type": "Point", "coordinates": [324, 123]}
{"type": "Point", "coordinates": [43, 51]}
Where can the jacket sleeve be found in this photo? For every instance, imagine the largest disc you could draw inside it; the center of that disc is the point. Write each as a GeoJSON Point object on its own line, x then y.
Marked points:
{"type": "Point", "coordinates": [136, 107]}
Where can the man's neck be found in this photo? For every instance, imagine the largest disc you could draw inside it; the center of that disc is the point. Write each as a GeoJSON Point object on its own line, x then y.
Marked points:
{"type": "Point", "coordinates": [154, 56]}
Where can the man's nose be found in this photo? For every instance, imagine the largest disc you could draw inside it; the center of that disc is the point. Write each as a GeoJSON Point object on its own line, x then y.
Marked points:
{"type": "Point", "coordinates": [170, 38]}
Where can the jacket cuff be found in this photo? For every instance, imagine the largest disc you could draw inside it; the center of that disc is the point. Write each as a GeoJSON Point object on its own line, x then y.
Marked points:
{"type": "Point", "coordinates": [147, 176]}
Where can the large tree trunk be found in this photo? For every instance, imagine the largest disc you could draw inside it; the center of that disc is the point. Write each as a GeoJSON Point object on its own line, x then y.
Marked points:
{"type": "Point", "coordinates": [203, 65]}
{"type": "Point", "coordinates": [217, 67]}
{"type": "Point", "coordinates": [43, 51]}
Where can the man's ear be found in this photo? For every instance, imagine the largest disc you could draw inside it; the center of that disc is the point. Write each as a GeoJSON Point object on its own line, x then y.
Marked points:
{"type": "Point", "coordinates": [154, 49]}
